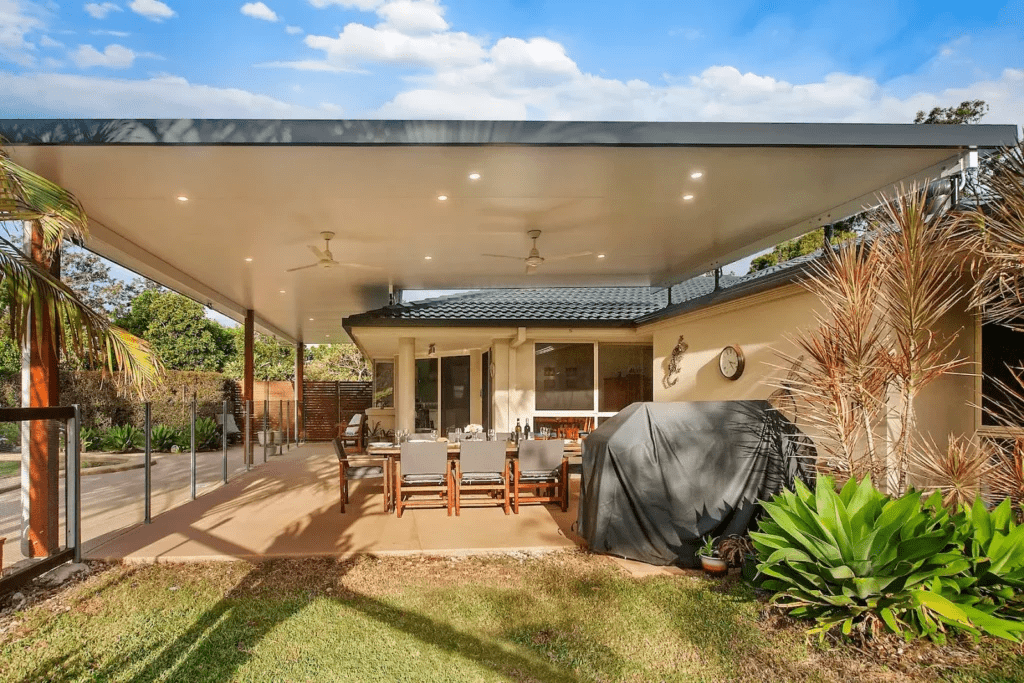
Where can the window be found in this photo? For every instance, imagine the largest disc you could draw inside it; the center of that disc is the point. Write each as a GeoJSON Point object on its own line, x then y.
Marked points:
{"type": "Point", "coordinates": [1002, 354]}
{"type": "Point", "coordinates": [565, 376]}
{"type": "Point", "coordinates": [625, 375]}
{"type": "Point", "coordinates": [384, 384]}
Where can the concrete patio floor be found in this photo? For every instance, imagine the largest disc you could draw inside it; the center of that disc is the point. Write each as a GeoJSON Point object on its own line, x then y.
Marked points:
{"type": "Point", "coordinates": [289, 508]}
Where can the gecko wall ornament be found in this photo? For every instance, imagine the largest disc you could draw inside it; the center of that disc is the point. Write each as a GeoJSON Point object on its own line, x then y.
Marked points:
{"type": "Point", "coordinates": [672, 363]}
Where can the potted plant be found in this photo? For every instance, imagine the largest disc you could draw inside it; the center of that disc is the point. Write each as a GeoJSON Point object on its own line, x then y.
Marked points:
{"type": "Point", "coordinates": [712, 564]}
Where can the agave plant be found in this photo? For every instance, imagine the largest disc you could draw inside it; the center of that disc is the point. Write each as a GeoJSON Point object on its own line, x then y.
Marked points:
{"type": "Point", "coordinates": [994, 545]}
{"type": "Point", "coordinates": [37, 298]}
{"type": "Point", "coordinates": [92, 438]}
{"type": "Point", "coordinates": [162, 438]}
{"type": "Point", "coordinates": [123, 438]}
{"type": "Point", "coordinates": [206, 433]}
{"type": "Point", "coordinates": [861, 557]}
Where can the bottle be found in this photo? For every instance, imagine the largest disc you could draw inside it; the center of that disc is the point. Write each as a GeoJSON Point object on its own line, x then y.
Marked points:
{"type": "Point", "coordinates": [519, 431]}
{"type": "Point", "coordinates": [526, 430]}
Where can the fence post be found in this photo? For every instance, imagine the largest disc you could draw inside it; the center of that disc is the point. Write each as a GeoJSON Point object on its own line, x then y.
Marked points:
{"type": "Point", "coordinates": [248, 435]}
{"type": "Point", "coordinates": [192, 431]}
{"type": "Point", "coordinates": [281, 424]}
{"type": "Point", "coordinates": [73, 486]}
{"type": "Point", "coordinates": [266, 419]}
{"type": "Point", "coordinates": [148, 427]}
{"type": "Point", "coordinates": [224, 443]}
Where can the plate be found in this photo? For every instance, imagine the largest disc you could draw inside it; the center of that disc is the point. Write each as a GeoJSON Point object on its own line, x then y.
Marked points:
{"type": "Point", "coordinates": [381, 444]}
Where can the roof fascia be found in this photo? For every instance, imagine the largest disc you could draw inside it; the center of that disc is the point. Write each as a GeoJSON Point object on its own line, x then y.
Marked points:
{"type": "Point", "coordinates": [271, 132]}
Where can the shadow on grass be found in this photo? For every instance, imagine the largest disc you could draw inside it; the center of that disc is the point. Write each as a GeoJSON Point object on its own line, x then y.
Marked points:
{"type": "Point", "coordinates": [223, 638]}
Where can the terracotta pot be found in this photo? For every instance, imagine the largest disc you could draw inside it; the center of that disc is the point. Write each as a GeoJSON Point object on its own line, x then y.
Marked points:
{"type": "Point", "coordinates": [715, 566]}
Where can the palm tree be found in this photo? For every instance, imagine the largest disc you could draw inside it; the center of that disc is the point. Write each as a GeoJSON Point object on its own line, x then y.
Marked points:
{"type": "Point", "coordinates": [26, 196]}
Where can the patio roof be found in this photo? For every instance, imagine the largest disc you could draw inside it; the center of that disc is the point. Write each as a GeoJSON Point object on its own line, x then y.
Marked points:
{"type": "Point", "coordinates": [263, 190]}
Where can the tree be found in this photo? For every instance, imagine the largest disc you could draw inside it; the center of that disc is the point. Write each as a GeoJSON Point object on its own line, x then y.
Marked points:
{"type": "Point", "coordinates": [807, 244]}
{"type": "Point", "coordinates": [89, 277]}
{"type": "Point", "coordinates": [272, 360]}
{"type": "Point", "coordinates": [178, 330]}
{"type": "Point", "coordinates": [968, 111]}
{"type": "Point", "coordinates": [338, 363]}
{"type": "Point", "coordinates": [37, 297]}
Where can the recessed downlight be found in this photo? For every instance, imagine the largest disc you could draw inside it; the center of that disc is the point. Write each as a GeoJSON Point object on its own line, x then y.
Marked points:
{"type": "Point", "coordinates": [282, 291]}
{"type": "Point", "coordinates": [600, 256]}
{"type": "Point", "coordinates": [428, 258]}
{"type": "Point", "coordinates": [442, 197]}
{"type": "Point", "coordinates": [474, 176]}
{"type": "Point", "coordinates": [697, 174]}
{"type": "Point", "coordinates": [687, 197]}
{"type": "Point", "coordinates": [310, 320]}
{"type": "Point", "coordinates": [248, 259]}
{"type": "Point", "coordinates": [181, 198]}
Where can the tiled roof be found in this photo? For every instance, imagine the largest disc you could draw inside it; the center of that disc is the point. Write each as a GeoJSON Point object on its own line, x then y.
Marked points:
{"type": "Point", "coordinates": [581, 306]}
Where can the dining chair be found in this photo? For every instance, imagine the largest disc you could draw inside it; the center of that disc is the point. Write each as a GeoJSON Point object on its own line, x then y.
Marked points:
{"type": "Point", "coordinates": [482, 468]}
{"type": "Point", "coordinates": [353, 432]}
{"type": "Point", "coordinates": [540, 474]}
{"type": "Point", "coordinates": [422, 470]}
{"type": "Point", "coordinates": [369, 467]}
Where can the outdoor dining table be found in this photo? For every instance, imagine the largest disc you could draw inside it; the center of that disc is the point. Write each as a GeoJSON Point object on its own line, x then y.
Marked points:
{"type": "Point", "coordinates": [392, 453]}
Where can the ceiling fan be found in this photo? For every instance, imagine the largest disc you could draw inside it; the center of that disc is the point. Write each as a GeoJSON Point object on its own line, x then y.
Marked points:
{"type": "Point", "coordinates": [534, 259]}
{"type": "Point", "coordinates": [324, 257]}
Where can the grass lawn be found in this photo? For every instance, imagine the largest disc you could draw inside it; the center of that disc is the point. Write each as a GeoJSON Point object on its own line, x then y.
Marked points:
{"type": "Point", "coordinates": [561, 618]}
{"type": "Point", "coordinates": [9, 468]}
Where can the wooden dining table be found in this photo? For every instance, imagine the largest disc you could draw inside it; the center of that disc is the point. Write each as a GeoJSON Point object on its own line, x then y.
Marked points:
{"type": "Point", "coordinates": [392, 453]}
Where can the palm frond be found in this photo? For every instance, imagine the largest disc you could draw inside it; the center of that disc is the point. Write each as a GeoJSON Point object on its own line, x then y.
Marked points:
{"type": "Point", "coordinates": [36, 295]}
{"type": "Point", "coordinates": [27, 196]}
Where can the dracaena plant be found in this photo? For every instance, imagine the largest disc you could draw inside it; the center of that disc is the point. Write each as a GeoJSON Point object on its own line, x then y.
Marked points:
{"type": "Point", "coordinates": [860, 557]}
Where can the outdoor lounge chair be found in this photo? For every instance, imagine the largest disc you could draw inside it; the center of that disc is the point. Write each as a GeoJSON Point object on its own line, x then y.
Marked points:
{"type": "Point", "coordinates": [423, 471]}
{"type": "Point", "coordinates": [233, 432]}
{"type": "Point", "coordinates": [482, 468]}
{"type": "Point", "coordinates": [540, 474]}
{"type": "Point", "coordinates": [352, 433]}
{"type": "Point", "coordinates": [368, 468]}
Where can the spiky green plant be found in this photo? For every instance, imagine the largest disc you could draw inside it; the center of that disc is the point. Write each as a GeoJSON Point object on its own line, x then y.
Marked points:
{"type": "Point", "coordinates": [162, 438]}
{"type": "Point", "coordinates": [36, 298]}
{"type": "Point", "coordinates": [123, 438]}
{"type": "Point", "coordinates": [861, 557]}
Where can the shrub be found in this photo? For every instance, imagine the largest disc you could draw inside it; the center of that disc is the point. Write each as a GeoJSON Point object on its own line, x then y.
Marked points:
{"type": "Point", "coordinates": [10, 436]}
{"type": "Point", "coordinates": [123, 438]}
{"type": "Point", "coordinates": [92, 438]}
{"type": "Point", "coordinates": [862, 558]}
{"type": "Point", "coordinates": [162, 438]}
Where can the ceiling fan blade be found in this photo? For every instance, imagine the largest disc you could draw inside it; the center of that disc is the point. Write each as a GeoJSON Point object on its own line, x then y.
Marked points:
{"type": "Point", "coordinates": [562, 257]}
{"type": "Point", "coordinates": [361, 266]}
{"type": "Point", "coordinates": [292, 270]}
{"type": "Point", "coordinates": [517, 258]}
{"type": "Point", "coordinates": [316, 251]}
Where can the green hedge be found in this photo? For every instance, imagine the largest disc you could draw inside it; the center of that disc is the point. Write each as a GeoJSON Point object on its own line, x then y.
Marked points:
{"type": "Point", "coordinates": [103, 406]}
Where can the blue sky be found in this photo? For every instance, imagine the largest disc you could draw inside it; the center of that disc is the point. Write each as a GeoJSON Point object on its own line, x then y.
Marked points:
{"type": "Point", "coordinates": [783, 61]}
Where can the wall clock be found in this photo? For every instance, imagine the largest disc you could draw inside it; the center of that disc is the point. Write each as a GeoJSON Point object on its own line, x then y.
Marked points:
{"type": "Point", "coordinates": [730, 362]}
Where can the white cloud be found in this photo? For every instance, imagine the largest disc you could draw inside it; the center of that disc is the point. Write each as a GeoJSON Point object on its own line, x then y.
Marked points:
{"type": "Point", "coordinates": [47, 41]}
{"type": "Point", "coordinates": [152, 9]}
{"type": "Point", "coordinates": [364, 5]}
{"type": "Point", "coordinates": [258, 10]}
{"type": "Point", "coordinates": [105, 32]}
{"type": "Point", "coordinates": [413, 17]}
{"type": "Point", "coordinates": [75, 96]}
{"type": "Point", "coordinates": [358, 43]}
{"type": "Point", "coordinates": [99, 10]}
{"type": "Point", "coordinates": [292, 30]}
{"type": "Point", "coordinates": [113, 57]}
{"type": "Point", "coordinates": [17, 20]}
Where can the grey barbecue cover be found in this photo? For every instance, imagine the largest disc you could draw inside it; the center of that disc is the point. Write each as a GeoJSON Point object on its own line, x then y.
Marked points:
{"type": "Point", "coordinates": [659, 476]}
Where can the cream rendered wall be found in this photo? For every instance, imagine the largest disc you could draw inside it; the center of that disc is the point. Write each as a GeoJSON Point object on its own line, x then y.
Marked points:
{"type": "Point", "coordinates": [946, 407]}
{"type": "Point", "coordinates": [757, 324]}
